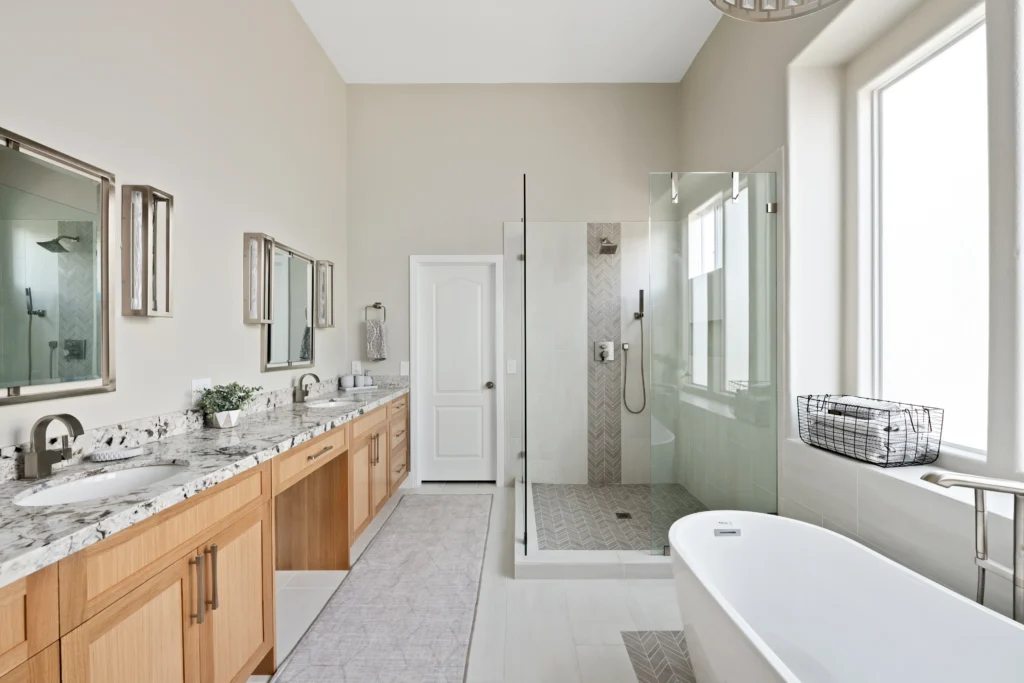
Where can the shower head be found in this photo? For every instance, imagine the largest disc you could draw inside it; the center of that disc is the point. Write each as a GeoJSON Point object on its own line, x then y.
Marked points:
{"type": "Point", "coordinates": [607, 246]}
{"type": "Point", "coordinates": [55, 246]}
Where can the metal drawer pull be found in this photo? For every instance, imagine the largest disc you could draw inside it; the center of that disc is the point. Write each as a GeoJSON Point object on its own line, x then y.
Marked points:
{"type": "Point", "coordinates": [199, 616]}
{"type": "Point", "coordinates": [325, 449]}
{"type": "Point", "coordinates": [215, 603]}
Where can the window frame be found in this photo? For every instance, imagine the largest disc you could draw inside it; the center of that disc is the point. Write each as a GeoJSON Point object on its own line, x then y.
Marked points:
{"type": "Point", "coordinates": [883, 64]}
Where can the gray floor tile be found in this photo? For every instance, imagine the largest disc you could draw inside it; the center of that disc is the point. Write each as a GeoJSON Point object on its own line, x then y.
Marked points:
{"type": "Point", "coordinates": [659, 656]}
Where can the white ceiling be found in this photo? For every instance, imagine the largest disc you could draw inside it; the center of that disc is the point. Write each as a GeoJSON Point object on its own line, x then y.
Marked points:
{"type": "Point", "coordinates": [510, 41]}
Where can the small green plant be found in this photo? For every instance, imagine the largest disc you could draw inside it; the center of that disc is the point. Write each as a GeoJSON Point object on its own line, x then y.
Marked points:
{"type": "Point", "coordinates": [224, 397]}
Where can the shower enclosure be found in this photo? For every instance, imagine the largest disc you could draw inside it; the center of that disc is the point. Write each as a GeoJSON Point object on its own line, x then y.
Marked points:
{"type": "Point", "coordinates": [649, 388]}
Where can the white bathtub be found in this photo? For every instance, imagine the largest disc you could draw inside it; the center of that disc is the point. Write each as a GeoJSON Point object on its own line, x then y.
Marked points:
{"type": "Point", "coordinates": [788, 601]}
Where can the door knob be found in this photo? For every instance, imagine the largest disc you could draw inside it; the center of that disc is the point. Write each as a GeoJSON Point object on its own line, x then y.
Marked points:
{"type": "Point", "coordinates": [489, 385]}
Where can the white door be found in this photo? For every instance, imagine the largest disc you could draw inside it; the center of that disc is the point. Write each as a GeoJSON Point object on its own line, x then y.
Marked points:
{"type": "Point", "coordinates": [455, 367]}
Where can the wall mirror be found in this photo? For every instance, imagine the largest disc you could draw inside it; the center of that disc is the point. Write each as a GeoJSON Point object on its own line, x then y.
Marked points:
{"type": "Point", "coordinates": [55, 243]}
{"type": "Point", "coordinates": [288, 339]}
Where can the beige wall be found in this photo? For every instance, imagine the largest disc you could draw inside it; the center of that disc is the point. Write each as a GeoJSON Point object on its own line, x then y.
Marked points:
{"type": "Point", "coordinates": [437, 169]}
{"type": "Point", "coordinates": [732, 101]}
{"type": "Point", "coordinates": [229, 105]}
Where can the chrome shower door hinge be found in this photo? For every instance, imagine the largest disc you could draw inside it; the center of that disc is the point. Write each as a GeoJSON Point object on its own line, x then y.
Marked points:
{"type": "Point", "coordinates": [772, 207]}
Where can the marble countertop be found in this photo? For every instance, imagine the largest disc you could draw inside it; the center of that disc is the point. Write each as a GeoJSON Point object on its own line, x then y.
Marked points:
{"type": "Point", "coordinates": [34, 537]}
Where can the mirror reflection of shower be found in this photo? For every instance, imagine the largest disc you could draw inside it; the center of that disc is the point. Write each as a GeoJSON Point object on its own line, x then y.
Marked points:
{"type": "Point", "coordinates": [639, 317]}
{"type": "Point", "coordinates": [32, 313]}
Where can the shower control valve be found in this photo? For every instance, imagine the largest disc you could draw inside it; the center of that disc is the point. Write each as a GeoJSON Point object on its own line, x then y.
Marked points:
{"type": "Point", "coordinates": [604, 351]}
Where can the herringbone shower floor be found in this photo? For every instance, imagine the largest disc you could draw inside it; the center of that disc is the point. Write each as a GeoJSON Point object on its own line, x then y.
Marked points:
{"type": "Point", "coordinates": [582, 517]}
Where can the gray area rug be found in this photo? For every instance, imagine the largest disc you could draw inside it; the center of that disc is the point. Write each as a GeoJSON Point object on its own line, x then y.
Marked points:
{"type": "Point", "coordinates": [405, 612]}
{"type": "Point", "coordinates": [583, 517]}
{"type": "Point", "coordinates": [659, 656]}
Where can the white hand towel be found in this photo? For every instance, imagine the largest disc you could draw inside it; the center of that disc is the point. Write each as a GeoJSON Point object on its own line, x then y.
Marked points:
{"type": "Point", "coordinates": [376, 340]}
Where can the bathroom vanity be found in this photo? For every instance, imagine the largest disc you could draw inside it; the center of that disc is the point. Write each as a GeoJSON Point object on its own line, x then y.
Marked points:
{"type": "Point", "coordinates": [181, 574]}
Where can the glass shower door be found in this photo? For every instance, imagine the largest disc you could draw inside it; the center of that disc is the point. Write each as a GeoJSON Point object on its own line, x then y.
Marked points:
{"type": "Point", "coordinates": [713, 345]}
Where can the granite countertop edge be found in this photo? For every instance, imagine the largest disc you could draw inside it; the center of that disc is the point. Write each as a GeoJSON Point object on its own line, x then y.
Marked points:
{"type": "Point", "coordinates": [32, 538]}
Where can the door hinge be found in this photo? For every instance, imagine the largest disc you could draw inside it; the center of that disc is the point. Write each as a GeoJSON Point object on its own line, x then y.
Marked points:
{"type": "Point", "coordinates": [521, 257]}
{"type": "Point", "coordinates": [522, 454]}
{"type": "Point", "coordinates": [772, 207]}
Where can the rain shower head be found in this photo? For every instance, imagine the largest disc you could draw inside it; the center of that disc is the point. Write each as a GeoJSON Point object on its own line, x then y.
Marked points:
{"type": "Point", "coordinates": [607, 246]}
{"type": "Point", "coordinates": [55, 246]}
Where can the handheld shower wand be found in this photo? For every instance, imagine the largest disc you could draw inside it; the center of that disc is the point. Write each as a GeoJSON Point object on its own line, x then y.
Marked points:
{"type": "Point", "coordinates": [639, 315]}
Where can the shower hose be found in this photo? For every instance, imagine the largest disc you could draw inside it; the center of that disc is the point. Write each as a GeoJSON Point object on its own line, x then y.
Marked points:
{"type": "Point", "coordinates": [643, 374]}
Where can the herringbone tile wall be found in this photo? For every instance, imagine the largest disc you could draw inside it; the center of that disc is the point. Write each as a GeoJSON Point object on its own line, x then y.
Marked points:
{"type": "Point", "coordinates": [604, 380]}
{"type": "Point", "coordinates": [78, 301]}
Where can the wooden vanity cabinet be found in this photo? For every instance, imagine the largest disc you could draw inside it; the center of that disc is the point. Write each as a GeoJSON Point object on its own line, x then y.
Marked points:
{"type": "Point", "coordinates": [42, 668]}
{"type": "Point", "coordinates": [28, 619]}
{"type": "Point", "coordinates": [380, 480]}
{"type": "Point", "coordinates": [360, 464]}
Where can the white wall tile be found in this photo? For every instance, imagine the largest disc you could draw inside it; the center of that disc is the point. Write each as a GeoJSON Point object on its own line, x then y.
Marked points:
{"type": "Point", "coordinates": [821, 481]}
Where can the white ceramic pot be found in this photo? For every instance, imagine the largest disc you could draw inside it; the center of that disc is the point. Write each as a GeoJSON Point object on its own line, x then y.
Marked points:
{"type": "Point", "coordinates": [361, 380]}
{"type": "Point", "coordinates": [225, 419]}
{"type": "Point", "coordinates": [348, 381]}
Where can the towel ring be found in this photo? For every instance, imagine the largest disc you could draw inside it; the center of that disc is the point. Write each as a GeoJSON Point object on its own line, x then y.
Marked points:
{"type": "Point", "coordinates": [379, 306]}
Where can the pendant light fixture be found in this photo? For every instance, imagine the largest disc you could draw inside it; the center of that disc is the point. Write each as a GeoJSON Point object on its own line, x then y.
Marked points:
{"type": "Point", "coordinates": [770, 10]}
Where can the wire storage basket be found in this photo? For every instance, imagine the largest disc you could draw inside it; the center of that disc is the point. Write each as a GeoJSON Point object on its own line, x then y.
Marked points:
{"type": "Point", "coordinates": [884, 433]}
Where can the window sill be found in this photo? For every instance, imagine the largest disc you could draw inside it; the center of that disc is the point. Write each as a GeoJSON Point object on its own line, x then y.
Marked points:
{"type": "Point", "coordinates": [999, 504]}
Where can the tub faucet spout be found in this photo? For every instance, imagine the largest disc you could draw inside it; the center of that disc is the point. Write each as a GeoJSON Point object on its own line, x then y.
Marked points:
{"type": "Point", "coordinates": [985, 564]}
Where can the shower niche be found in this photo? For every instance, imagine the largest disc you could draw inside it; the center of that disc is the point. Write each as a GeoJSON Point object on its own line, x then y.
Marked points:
{"type": "Point", "coordinates": [55, 308]}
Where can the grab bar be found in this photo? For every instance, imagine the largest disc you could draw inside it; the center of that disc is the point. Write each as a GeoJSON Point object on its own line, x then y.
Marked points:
{"type": "Point", "coordinates": [985, 564]}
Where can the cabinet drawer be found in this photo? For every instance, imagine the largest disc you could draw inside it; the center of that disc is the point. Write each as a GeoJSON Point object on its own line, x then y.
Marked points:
{"type": "Point", "coordinates": [399, 464]}
{"type": "Point", "coordinates": [293, 466]}
{"type": "Point", "coordinates": [399, 405]}
{"type": "Point", "coordinates": [399, 432]}
{"type": "Point", "coordinates": [28, 618]}
{"type": "Point", "coordinates": [43, 668]}
{"type": "Point", "coordinates": [97, 576]}
{"type": "Point", "coordinates": [367, 424]}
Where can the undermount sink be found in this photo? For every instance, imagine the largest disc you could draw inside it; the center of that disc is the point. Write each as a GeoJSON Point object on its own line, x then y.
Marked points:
{"type": "Point", "coordinates": [102, 485]}
{"type": "Point", "coordinates": [334, 403]}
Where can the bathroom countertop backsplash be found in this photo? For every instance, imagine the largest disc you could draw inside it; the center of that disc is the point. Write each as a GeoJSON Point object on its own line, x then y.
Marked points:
{"type": "Point", "coordinates": [34, 537]}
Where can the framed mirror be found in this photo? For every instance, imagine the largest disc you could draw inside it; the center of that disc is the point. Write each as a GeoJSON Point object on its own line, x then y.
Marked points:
{"type": "Point", "coordinates": [56, 326]}
{"type": "Point", "coordinates": [288, 340]}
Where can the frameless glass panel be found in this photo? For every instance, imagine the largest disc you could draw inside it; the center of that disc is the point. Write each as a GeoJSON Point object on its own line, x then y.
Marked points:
{"type": "Point", "coordinates": [713, 327]}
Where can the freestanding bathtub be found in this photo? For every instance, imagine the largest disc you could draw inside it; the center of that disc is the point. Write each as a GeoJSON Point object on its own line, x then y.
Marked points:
{"type": "Point", "coordinates": [767, 599]}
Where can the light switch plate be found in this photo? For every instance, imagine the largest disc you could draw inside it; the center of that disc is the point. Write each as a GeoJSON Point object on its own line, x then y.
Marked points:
{"type": "Point", "coordinates": [357, 367]}
{"type": "Point", "coordinates": [404, 371]}
{"type": "Point", "coordinates": [198, 385]}
{"type": "Point", "coordinates": [510, 367]}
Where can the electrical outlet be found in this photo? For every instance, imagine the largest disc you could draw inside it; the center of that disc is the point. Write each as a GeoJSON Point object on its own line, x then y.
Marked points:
{"type": "Point", "coordinates": [510, 367]}
{"type": "Point", "coordinates": [357, 367]}
{"type": "Point", "coordinates": [404, 371]}
{"type": "Point", "coordinates": [198, 386]}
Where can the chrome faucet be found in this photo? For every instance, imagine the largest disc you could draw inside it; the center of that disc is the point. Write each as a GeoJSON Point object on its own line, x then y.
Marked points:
{"type": "Point", "coordinates": [301, 392]}
{"type": "Point", "coordinates": [980, 486]}
{"type": "Point", "coordinates": [39, 463]}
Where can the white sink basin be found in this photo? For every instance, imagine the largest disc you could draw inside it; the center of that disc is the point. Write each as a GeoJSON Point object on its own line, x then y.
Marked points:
{"type": "Point", "coordinates": [333, 403]}
{"type": "Point", "coordinates": [102, 485]}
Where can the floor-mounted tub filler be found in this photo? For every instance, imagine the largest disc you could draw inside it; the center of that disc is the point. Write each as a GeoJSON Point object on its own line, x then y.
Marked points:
{"type": "Point", "coordinates": [767, 599]}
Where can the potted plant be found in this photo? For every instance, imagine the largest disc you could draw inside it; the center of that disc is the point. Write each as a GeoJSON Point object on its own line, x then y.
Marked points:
{"type": "Point", "coordinates": [222, 405]}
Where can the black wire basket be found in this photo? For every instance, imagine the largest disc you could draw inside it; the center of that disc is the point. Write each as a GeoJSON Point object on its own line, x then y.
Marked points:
{"type": "Point", "coordinates": [883, 433]}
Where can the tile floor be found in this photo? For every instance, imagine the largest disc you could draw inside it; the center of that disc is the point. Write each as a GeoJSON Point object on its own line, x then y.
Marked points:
{"type": "Point", "coordinates": [583, 517]}
{"type": "Point", "coordinates": [543, 631]}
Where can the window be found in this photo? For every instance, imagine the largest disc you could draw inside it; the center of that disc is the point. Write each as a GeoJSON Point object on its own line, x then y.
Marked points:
{"type": "Point", "coordinates": [930, 215]}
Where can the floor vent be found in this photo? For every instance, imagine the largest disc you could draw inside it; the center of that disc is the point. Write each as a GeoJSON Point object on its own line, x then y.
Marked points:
{"type": "Point", "coordinates": [623, 515]}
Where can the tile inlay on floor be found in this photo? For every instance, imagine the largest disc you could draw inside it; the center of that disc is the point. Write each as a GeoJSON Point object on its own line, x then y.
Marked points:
{"type": "Point", "coordinates": [405, 612]}
{"type": "Point", "coordinates": [583, 517]}
{"type": "Point", "coordinates": [659, 656]}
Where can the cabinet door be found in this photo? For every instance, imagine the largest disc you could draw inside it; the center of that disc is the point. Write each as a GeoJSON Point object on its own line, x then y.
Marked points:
{"type": "Point", "coordinates": [43, 668]}
{"type": "Point", "coordinates": [360, 463]}
{"type": "Point", "coordinates": [381, 474]}
{"type": "Point", "coordinates": [28, 617]}
{"type": "Point", "coordinates": [239, 618]}
{"type": "Point", "coordinates": [149, 635]}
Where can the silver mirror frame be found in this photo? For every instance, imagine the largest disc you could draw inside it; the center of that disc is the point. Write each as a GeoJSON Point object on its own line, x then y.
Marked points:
{"type": "Point", "coordinates": [323, 290]}
{"type": "Point", "coordinates": [107, 182]}
{"type": "Point", "coordinates": [265, 365]}
{"type": "Point", "coordinates": [136, 254]}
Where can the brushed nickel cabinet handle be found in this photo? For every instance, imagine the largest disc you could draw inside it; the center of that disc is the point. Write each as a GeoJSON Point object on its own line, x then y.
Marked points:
{"type": "Point", "coordinates": [199, 615]}
{"type": "Point", "coordinates": [322, 451]}
{"type": "Point", "coordinates": [215, 603]}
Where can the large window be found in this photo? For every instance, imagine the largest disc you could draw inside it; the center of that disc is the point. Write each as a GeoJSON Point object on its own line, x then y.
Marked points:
{"type": "Point", "coordinates": [930, 216]}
